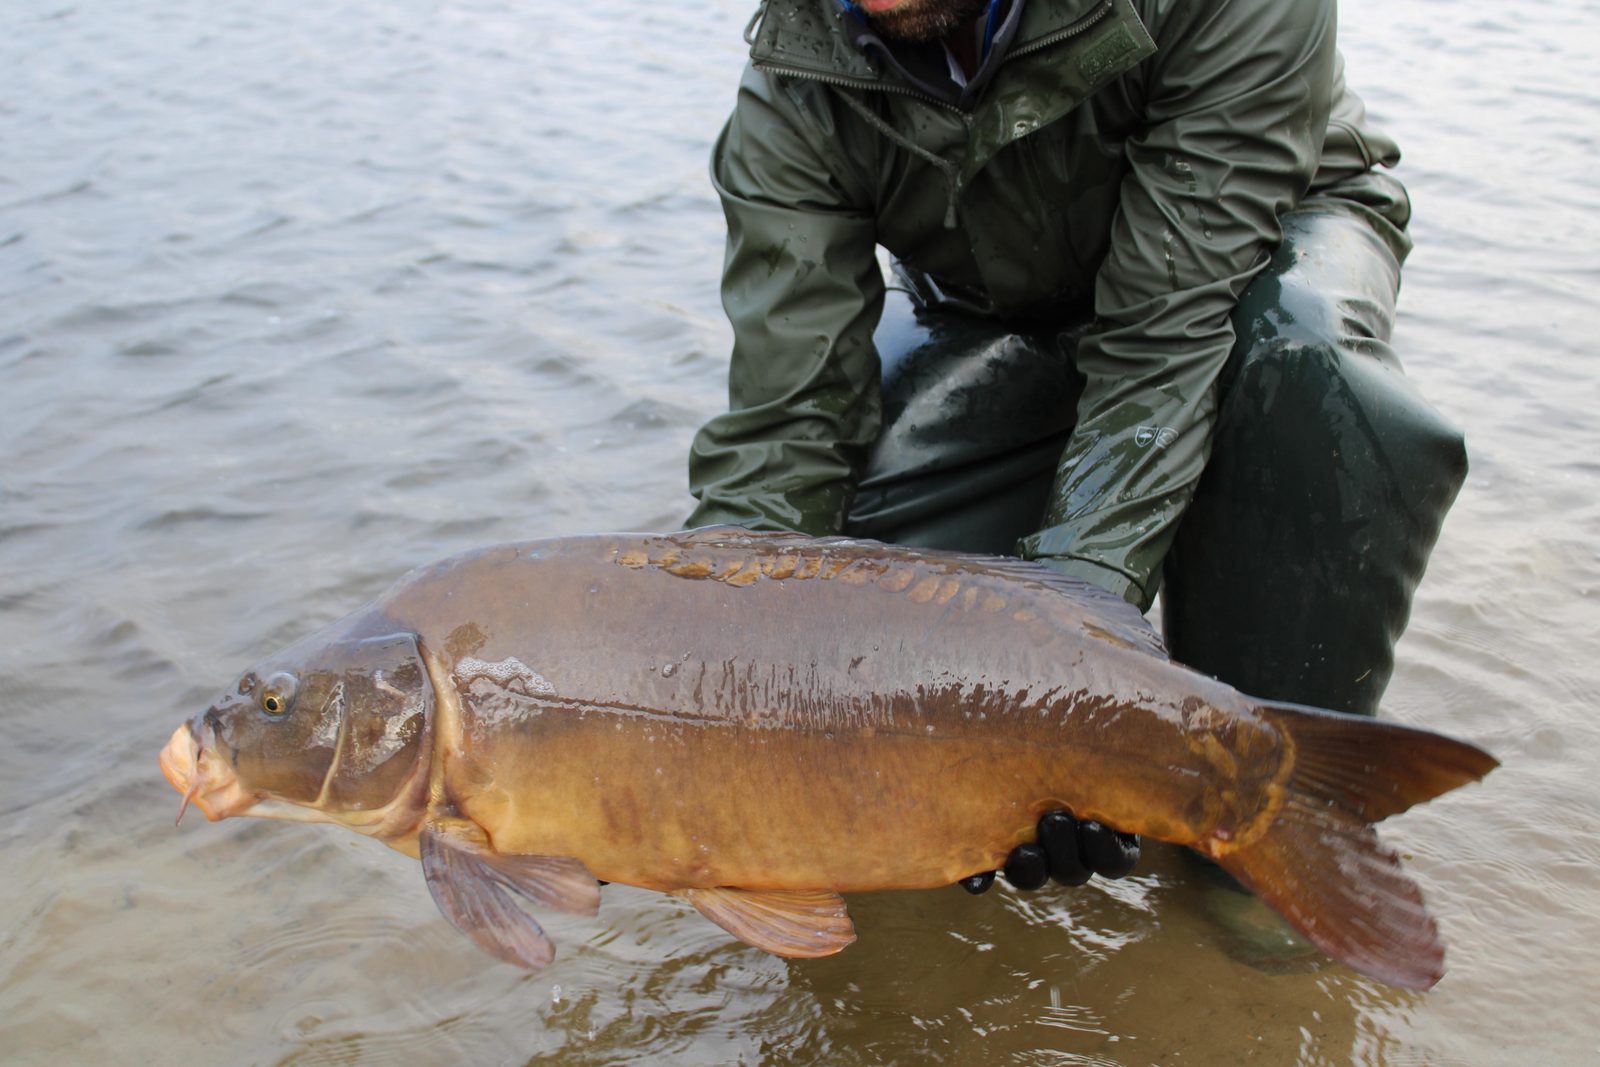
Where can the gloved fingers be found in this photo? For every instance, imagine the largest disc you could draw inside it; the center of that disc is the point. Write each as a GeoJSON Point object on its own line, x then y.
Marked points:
{"type": "Point", "coordinates": [1068, 851]}
{"type": "Point", "coordinates": [1062, 842]}
{"type": "Point", "coordinates": [978, 883]}
{"type": "Point", "coordinates": [1107, 852]}
{"type": "Point", "coordinates": [1028, 867]}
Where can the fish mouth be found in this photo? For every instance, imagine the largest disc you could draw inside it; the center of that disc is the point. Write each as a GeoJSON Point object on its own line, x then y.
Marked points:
{"type": "Point", "coordinates": [198, 772]}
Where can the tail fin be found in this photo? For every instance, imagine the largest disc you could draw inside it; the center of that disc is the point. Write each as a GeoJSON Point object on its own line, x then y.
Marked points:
{"type": "Point", "coordinates": [1320, 863]}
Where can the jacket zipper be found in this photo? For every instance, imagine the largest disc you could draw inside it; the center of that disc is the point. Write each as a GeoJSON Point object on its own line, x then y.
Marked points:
{"type": "Point", "coordinates": [1083, 25]}
{"type": "Point", "coordinates": [855, 83]}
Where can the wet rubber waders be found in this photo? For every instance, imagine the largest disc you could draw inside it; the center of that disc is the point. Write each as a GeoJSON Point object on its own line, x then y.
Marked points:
{"type": "Point", "coordinates": [1292, 573]}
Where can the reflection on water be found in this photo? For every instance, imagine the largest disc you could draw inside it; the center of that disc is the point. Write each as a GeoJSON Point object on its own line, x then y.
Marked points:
{"type": "Point", "coordinates": [297, 296]}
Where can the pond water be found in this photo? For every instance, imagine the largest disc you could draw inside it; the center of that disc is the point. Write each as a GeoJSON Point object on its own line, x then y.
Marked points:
{"type": "Point", "coordinates": [294, 296]}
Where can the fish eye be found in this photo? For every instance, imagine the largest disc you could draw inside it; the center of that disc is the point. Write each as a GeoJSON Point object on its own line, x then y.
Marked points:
{"type": "Point", "coordinates": [277, 693]}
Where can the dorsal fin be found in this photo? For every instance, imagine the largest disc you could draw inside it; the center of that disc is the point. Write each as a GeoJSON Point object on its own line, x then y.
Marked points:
{"type": "Point", "coordinates": [1119, 618]}
{"type": "Point", "coordinates": [727, 535]}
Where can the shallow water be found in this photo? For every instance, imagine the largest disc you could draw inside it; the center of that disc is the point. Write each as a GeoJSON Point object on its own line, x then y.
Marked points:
{"type": "Point", "coordinates": [295, 296]}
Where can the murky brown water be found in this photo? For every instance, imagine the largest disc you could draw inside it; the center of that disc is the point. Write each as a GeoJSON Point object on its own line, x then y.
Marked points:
{"type": "Point", "coordinates": [294, 296]}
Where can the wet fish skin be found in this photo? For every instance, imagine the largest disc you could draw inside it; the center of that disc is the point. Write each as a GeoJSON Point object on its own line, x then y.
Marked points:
{"type": "Point", "coordinates": [781, 699]}
{"type": "Point", "coordinates": [758, 722]}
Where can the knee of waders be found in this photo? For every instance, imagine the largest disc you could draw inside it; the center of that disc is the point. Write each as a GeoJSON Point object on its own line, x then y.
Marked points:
{"type": "Point", "coordinates": [1293, 571]}
{"type": "Point", "coordinates": [974, 419]}
{"type": "Point", "coordinates": [1341, 436]}
{"type": "Point", "coordinates": [1312, 374]}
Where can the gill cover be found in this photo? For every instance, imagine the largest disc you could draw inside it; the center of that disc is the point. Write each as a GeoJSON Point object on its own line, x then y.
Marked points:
{"type": "Point", "coordinates": [388, 701]}
{"type": "Point", "coordinates": [336, 724]}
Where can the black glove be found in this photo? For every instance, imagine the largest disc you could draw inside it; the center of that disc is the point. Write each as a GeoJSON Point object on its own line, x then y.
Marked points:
{"type": "Point", "coordinates": [1068, 851]}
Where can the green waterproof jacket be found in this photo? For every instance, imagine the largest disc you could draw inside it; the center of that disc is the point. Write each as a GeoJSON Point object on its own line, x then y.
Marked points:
{"type": "Point", "coordinates": [1128, 161]}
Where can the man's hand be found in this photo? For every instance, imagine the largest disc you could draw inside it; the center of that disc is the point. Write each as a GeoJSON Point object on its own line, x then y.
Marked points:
{"type": "Point", "coordinates": [1069, 851]}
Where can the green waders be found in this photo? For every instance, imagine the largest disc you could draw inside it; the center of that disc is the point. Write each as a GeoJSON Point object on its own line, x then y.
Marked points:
{"type": "Point", "coordinates": [1292, 574]}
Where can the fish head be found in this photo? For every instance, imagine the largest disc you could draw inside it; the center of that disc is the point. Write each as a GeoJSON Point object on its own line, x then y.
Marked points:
{"type": "Point", "coordinates": [330, 729]}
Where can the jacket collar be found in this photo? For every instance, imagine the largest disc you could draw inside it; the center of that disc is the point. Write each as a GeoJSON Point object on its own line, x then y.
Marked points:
{"type": "Point", "coordinates": [818, 38]}
{"type": "Point", "coordinates": [1063, 51]}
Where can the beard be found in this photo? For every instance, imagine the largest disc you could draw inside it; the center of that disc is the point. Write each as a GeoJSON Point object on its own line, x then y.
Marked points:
{"type": "Point", "coordinates": [922, 21]}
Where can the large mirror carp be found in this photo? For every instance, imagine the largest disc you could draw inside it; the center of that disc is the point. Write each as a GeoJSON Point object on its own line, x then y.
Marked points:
{"type": "Point", "coordinates": [759, 722]}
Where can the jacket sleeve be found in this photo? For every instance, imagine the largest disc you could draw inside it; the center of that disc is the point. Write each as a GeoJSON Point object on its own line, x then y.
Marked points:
{"type": "Point", "coordinates": [803, 290]}
{"type": "Point", "coordinates": [1236, 106]}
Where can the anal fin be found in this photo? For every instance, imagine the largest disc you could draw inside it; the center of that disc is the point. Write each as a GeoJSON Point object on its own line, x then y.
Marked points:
{"type": "Point", "coordinates": [802, 924]}
{"type": "Point", "coordinates": [469, 885]}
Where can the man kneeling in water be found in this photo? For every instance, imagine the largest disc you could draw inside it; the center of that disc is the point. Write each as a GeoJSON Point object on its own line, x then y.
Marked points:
{"type": "Point", "coordinates": [1145, 278]}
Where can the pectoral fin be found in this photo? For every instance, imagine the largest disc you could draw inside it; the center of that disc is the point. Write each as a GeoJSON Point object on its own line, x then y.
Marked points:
{"type": "Point", "coordinates": [798, 923]}
{"type": "Point", "coordinates": [466, 883]}
{"type": "Point", "coordinates": [559, 882]}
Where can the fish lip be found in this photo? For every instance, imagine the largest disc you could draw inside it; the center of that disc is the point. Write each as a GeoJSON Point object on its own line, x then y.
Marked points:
{"type": "Point", "coordinates": [199, 772]}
